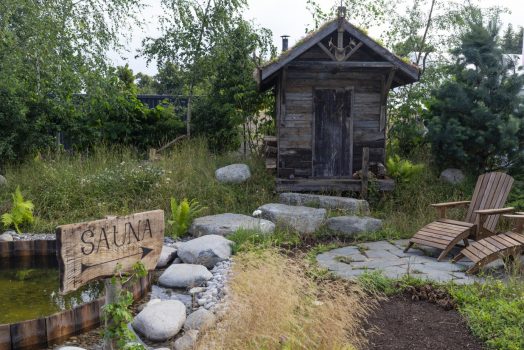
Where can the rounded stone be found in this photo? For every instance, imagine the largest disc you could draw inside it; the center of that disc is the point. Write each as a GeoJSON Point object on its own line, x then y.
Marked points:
{"type": "Point", "coordinates": [206, 250]}
{"type": "Point", "coordinates": [184, 276]}
{"type": "Point", "coordinates": [160, 321]}
{"type": "Point", "coordinates": [452, 176]}
{"type": "Point", "coordinates": [226, 224]}
{"type": "Point", "coordinates": [234, 173]}
{"type": "Point", "coordinates": [187, 341]}
{"type": "Point", "coordinates": [6, 237]}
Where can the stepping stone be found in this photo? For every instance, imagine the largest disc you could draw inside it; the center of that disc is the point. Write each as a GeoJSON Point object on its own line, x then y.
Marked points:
{"type": "Point", "coordinates": [301, 219]}
{"type": "Point", "coordinates": [167, 255]}
{"type": "Point", "coordinates": [160, 321]}
{"type": "Point", "coordinates": [184, 276]}
{"type": "Point", "coordinates": [226, 224]}
{"type": "Point", "coordinates": [206, 250]}
{"type": "Point", "coordinates": [350, 205]}
{"type": "Point", "coordinates": [234, 173]}
{"type": "Point", "coordinates": [353, 225]}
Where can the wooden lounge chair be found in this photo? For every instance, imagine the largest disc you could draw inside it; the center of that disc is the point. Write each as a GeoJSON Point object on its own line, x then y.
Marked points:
{"type": "Point", "coordinates": [485, 207]}
{"type": "Point", "coordinates": [502, 246]}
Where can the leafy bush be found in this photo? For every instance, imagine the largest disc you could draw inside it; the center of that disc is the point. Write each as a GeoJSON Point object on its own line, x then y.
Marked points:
{"type": "Point", "coordinates": [403, 170]}
{"type": "Point", "coordinates": [182, 215]}
{"type": "Point", "coordinates": [21, 212]}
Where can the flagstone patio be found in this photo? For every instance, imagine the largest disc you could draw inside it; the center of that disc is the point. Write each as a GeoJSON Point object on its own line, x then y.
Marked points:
{"type": "Point", "coordinates": [389, 258]}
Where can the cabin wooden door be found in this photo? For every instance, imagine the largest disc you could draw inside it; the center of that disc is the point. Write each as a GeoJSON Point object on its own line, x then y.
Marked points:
{"type": "Point", "coordinates": [332, 155]}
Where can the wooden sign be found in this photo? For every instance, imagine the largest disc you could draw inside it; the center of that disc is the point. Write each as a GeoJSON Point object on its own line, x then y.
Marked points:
{"type": "Point", "coordinates": [90, 250]}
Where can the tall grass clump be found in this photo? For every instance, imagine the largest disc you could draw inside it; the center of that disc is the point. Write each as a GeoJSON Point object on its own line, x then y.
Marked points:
{"type": "Point", "coordinates": [272, 304]}
{"type": "Point", "coordinates": [115, 180]}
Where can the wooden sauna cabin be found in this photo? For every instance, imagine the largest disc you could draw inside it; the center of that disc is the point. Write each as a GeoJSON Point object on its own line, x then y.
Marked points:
{"type": "Point", "coordinates": [331, 91]}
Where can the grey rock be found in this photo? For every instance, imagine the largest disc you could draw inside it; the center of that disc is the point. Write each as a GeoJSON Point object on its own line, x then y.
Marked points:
{"type": "Point", "coordinates": [184, 276]}
{"type": "Point", "coordinates": [301, 219]}
{"type": "Point", "coordinates": [160, 321]}
{"type": "Point", "coordinates": [137, 337]}
{"type": "Point", "coordinates": [351, 205]}
{"type": "Point", "coordinates": [6, 237]}
{"type": "Point", "coordinates": [70, 348]}
{"type": "Point", "coordinates": [234, 173]}
{"type": "Point", "coordinates": [206, 250]}
{"type": "Point", "coordinates": [162, 349]}
{"type": "Point", "coordinates": [167, 255]}
{"type": "Point", "coordinates": [225, 224]}
{"type": "Point", "coordinates": [178, 261]}
{"type": "Point", "coordinates": [352, 225]}
{"type": "Point", "coordinates": [160, 293]}
{"type": "Point", "coordinates": [3, 181]}
{"type": "Point", "coordinates": [452, 176]}
{"type": "Point", "coordinates": [200, 320]}
{"type": "Point", "coordinates": [187, 341]}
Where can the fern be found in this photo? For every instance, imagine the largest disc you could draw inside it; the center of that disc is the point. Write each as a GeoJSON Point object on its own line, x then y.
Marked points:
{"type": "Point", "coordinates": [21, 212]}
{"type": "Point", "coordinates": [403, 170]}
{"type": "Point", "coordinates": [182, 215]}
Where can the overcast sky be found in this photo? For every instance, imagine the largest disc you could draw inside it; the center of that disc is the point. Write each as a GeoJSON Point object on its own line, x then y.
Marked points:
{"type": "Point", "coordinates": [280, 16]}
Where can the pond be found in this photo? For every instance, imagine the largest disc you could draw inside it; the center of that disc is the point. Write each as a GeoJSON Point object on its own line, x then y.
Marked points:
{"type": "Point", "coordinates": [30, 289]}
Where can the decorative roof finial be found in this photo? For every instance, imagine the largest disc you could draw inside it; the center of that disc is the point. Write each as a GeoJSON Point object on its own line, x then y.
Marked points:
{"type": "Point", "coordinates": [341, 11]}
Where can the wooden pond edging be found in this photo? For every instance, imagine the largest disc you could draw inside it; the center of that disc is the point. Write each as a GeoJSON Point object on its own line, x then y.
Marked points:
{"type": "Point", "coordinates": [45, 331]}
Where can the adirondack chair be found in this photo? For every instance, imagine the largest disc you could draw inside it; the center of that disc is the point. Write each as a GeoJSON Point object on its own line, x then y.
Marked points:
{"type": "Point", "coordinates": [484, 211]}
{"type": "Point", "coordinates": [501, 246]}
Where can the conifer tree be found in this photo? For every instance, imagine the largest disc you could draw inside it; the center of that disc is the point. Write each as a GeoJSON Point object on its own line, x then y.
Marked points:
{"type": "Point", "coordinates": [475, 118]}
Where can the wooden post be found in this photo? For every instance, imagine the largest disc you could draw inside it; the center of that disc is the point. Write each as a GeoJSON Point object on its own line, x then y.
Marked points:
{"type": "Point", "coordinates": [113, 291]}
{"type": "Point", "coordinates": [365, 168]}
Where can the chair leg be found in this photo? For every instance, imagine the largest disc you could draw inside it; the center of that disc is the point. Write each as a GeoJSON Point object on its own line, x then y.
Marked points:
{"type": "Point", "coordinates": [409, 246]}
{"type": "Point", "coordinates": [466, 243]}
{"type": "Point", "coordinates": [473, 269]}
{"type": "Point", "coordinates": [445, 252]}
{"type": "Point", "coordinates": [458, 257]}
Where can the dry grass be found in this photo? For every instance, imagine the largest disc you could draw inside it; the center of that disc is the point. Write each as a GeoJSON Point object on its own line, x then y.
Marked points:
{"type": "Point", "coordinates": [272, 304]}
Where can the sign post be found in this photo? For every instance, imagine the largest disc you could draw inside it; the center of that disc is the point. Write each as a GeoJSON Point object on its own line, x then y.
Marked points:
{"type": "Point", "coordinates": [92, 250]}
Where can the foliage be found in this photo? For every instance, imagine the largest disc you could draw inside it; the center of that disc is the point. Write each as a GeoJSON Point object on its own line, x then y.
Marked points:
{"type": "Point", "coordinates": [21, 212]}
{"type": "Point", "coordinates": [233, 98]}
{"type": "Point", "coordinates": [48, 51]}
{"type": "Point", "coordinates": [475, 117]}
{"type": "Point", "coordinates": [182, 215]}
{"type": "Point", "coordinates": [494, 310]}
{"type": "Point", "coordinates": [252, 240]}
{"type": "Point", "coordinates": [168, 81]}
{"type": "Point", "coordinates": [402, 169]}
{"type": "Point", "coordinates": [117, 314]}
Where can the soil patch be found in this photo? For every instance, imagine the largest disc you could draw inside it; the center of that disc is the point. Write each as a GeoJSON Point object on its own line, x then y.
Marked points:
{"type": "Point", "coordinates": [403, 323]}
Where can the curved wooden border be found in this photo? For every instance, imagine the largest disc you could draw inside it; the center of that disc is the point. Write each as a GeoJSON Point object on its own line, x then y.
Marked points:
{"type": "Point", "coordinates": [45, 331]}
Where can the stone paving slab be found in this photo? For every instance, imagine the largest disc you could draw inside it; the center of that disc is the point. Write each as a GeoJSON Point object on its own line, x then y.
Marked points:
{"type": "Point", "coordinates": [389, 258]}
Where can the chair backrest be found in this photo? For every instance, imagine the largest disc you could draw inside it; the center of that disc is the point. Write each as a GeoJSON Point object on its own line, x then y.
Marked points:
{"type": "Point", "coordinates": [491, 192]}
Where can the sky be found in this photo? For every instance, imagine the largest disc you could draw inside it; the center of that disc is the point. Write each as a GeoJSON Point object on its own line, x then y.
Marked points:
{"type": "Point", "coordinates": [289, 17]}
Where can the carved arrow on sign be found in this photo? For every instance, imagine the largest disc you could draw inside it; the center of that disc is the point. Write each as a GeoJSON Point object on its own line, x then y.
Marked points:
{"type": "Point", "coordinates": [144, 252]}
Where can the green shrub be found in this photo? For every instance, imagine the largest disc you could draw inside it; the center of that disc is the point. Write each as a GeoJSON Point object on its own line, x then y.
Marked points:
{"type": "Point", "coordinates": [402, 169]}
{"type": "Point", "coordinates": [182, 214]}
{"type": "Point", "coordinates": [21, 212]}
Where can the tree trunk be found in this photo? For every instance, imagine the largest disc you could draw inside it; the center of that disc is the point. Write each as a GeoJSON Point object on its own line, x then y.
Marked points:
{"type": "Point", "coordinates": [428, 23]}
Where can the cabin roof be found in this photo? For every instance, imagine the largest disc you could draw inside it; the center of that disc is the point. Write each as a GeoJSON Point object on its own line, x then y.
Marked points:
{"type": "Point", "coordinates": [265, 75]}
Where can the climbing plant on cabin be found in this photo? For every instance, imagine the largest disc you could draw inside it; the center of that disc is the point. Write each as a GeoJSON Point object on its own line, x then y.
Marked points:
{"type": "Point", "coordinates": [21, 212]}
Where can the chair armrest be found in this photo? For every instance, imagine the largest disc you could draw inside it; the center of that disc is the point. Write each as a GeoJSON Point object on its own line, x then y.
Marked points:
{"type": "Point", "coordinates": [495, 211]}
{"type": "Point", "coordinates": [442, 207]}
{"type": "Point", "coordinates": [450, 204]}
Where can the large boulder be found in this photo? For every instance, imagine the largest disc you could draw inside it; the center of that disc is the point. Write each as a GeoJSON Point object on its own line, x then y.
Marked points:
{"type": "Point", "coordinates": [160, 321]}
{"type": "Point", "coordinates": [234, 173]}
{"type": "Point", "coordinates": [452, 176]}
{"type": "Point", "coordinates": [200, 320]}
{"type": "Point", "coordinates": [3, 181]}
{"type": "Point", "coordinates": [351, 205]}
{"type": "Point", "coordinates": [184, 276]}
{"type": "Point", "coordinates": [167, 255]}
{"type": "Point", "coordinates": [206, 250]}
{"type": "Point", "coordinates": [301, 219]}
{"type": "Point", "coordinates": [352, 225]}
{"type": "Point", "coordinates": [225, 224]}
